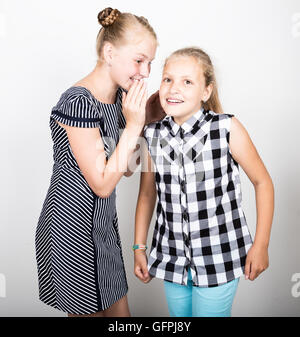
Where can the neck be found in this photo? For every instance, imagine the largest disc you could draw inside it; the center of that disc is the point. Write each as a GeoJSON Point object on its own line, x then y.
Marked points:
{"type": "Point", "coordinates": [100, 83]}
{"type": "Point", "coordinates": [182, 119]}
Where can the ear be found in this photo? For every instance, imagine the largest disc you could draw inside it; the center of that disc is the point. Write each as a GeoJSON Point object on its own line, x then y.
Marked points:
{"type": "Point", "coordinates": [207, 92]}
{"type": "Point", "coordinates": [108, 50]}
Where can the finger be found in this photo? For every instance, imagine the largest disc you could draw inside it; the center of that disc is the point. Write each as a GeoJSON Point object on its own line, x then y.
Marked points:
{"type": "Point", "coordinates": [139, 274]}
{"type": "Point", "coordinates": [253, 273]}
{"type": "Point", "coordinates": [139, 92]}
{"type": "Point", "coordinates": [149, 278]}
{"type": "Point", "coordinates": [145, 271]}
{"type": "Point", "coordinates": [143, 100]}
{"type": "Point", "coordinates": [131, 90]}
{"type": "Point", "coordinates": [258, 272]}
{"type": "Point", "coordinates": [247, 269]}
{"type": "Point", "coordinates": [135, 90]}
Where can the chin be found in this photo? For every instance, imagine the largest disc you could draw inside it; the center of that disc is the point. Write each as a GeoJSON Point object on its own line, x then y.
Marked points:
{"type": "Point", "coordinates": [125, 86]}
{"type": "Point", "coordinates": [172, 113]}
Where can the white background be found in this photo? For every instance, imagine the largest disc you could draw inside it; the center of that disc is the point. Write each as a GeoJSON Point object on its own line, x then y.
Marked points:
{"type": "Point", "coordinates": [45, 47]}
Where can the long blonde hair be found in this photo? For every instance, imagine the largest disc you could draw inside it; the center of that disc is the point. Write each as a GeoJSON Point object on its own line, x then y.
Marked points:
{"type": "Point", "coordinates": [213, 103]}
{"type": "Point", "coordinates": [115, 25]}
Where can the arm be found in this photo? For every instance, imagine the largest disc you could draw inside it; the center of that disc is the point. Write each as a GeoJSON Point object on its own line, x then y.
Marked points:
{"type": "Point", "coordinates": [88, 148]}
{"type": "Point", "coordinates": [134, 161]}
{"type": "Point", "coordinates": [144, 210]}
{"type": "Point", "coordinates": [245, 153]}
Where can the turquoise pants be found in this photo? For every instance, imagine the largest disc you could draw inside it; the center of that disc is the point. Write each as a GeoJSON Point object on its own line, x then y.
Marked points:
{"type": "Point", "coordinates": [191, 301]}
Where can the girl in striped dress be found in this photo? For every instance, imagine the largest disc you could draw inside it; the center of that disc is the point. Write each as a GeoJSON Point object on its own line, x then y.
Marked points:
{"type": "Point", "coordinates": [78, 248]}
{"type": "Point", "coordinates": [201, 242]}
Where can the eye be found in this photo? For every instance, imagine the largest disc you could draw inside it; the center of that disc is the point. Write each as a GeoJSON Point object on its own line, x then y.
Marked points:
{"type": "Point", "coordinates": [166, 80]}
{"type": "Point", "coordinates": [138, 61]}
{"type": "Point", "coordinates": [188, 82]}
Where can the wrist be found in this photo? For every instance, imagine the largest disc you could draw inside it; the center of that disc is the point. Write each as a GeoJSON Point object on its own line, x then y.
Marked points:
{"type": "Point", "coordinates": [137, 252]}
{"type": "Point", "coordinates": [140, 247]}
{"type": "Point", "coordinates": [261, 245]}
{"type": "Point", "coordinates": [134, 129]}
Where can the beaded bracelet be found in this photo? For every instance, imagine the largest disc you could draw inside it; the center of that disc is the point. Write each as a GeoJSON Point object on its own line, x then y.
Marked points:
{"type": "Point", "coordinates": [134, 247]}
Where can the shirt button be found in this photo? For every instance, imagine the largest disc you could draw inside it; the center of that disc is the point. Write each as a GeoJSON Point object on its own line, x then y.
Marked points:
{"type": "Point", "coordinates": [186, 240]}
{"type": "Point", "coordinates": [182, 185]}
{"type": "Point", "coordinates": [185, 215]}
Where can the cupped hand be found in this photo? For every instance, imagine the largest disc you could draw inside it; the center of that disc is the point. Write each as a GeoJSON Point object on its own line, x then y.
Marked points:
{"type": "Point", "coordinates": [134, 104]}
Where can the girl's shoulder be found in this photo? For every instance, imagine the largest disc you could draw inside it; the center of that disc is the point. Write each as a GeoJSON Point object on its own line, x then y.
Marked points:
{"type": "Point", "coordinates": [220, 116]}
{"type": "Point", "coordinates": [221, 120]}
{"type": "Point", "coordinates": [76, 107]}
{"type": "Point", "coordinates": [75, 95]}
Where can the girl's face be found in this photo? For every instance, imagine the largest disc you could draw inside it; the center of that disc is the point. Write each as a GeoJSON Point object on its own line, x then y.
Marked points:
{"type": "Point", "coordinates": [133, 59]}
{"type": "Point", "coordinates": [183, 88]}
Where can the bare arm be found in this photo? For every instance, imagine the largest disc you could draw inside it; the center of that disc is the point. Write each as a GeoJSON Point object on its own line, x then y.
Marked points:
{"type": "Point", "coordinates": [245, 153]}
{"type": "Point", "coordinates": [87, 145]}
{"type": "Point", "coordinates": [101, 175]}
{"type": "Point", "coordinates": [145, 204]}
{"type": "Point", "coordinates": [144, 211]}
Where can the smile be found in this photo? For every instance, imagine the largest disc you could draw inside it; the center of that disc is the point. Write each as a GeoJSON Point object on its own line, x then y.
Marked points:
{"type": "Point", "coordinates": [172, 101]}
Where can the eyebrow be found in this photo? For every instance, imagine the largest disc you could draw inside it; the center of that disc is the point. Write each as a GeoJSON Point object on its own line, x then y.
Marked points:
{"type": "Point", "coordinates": [141, 54]}
{"type": "Point", "coordinates": [183, 76]}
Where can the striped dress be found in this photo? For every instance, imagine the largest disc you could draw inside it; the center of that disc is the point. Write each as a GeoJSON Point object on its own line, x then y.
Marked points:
{"type": "Point", "coordinates": [78, 248]}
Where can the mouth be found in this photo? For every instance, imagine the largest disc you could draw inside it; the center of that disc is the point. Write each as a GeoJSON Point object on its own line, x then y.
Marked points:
{"type": "Point", "coordinates": [135, 78]}
{"type": "Point", "coordinates": [174, 101]}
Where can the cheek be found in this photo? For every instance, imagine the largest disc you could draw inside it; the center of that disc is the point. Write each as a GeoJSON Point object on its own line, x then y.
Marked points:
{"type": "Point", "coordinates": [162, 92]}
{"type": "Point", "coordinates": [196, 94]}
{"type": "Point", "coordinates": [133, 69]}
{"type": "Point", "coordinates": [163, 88]}
{"type": "Point", "coordinates": [125, 69]}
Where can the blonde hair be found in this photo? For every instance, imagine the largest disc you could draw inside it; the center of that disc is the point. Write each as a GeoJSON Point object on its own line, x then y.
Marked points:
{"type": "Point", "coordinates": [115, 25]}
{"type": "Point", "coordinates": [213, 103]}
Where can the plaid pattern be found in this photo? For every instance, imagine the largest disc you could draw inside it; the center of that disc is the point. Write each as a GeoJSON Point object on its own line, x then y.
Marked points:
{"type": "Point", "coordinates": [200, 222]}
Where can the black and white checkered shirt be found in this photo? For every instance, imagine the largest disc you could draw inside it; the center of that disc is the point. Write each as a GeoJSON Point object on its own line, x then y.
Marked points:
{"type": "Point", "coordinates": [199, 222]}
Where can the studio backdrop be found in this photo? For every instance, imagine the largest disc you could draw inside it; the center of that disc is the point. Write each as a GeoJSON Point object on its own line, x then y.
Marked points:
{"type": "Point", "coordinates": [47, 46]}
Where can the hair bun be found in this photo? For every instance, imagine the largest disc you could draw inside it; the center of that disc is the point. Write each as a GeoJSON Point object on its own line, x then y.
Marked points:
{"type": "Point", "coordinates": [108, 16]}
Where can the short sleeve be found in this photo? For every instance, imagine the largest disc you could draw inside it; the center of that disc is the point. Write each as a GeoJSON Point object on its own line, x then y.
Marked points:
{"type": "Point", "coordinates": [76, 110]}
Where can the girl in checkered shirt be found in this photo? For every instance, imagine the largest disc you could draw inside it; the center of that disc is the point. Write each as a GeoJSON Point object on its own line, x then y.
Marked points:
{"type": "Point", "coordinates": [201, 242]}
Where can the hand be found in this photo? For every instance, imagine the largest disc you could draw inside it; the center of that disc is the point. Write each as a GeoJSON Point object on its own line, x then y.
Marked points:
{"type": "Point", "coordinates": [140, 266]}
{"type": "Point", "coordinates": [257, 261]}
{"type": "Point", "coordinates": [134, 104]}
{"type": "Point", "coordinates": [154, 111]}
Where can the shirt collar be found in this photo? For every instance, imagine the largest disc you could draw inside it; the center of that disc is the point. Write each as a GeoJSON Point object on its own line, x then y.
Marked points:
{"type": "Point", "coordinates": [188, 125]}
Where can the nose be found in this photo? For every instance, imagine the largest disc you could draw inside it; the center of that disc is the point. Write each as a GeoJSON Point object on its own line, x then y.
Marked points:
{"type": "Point", "coordinates": [173, 88]}
{"type": "Point", "coordinates": [145, 70]}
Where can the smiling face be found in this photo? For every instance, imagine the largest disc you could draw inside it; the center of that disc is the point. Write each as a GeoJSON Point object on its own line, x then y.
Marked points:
{"type": "Point", "coordinates": [133, 59]}
{"type": "Point", "coordinates": [183, 88]}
